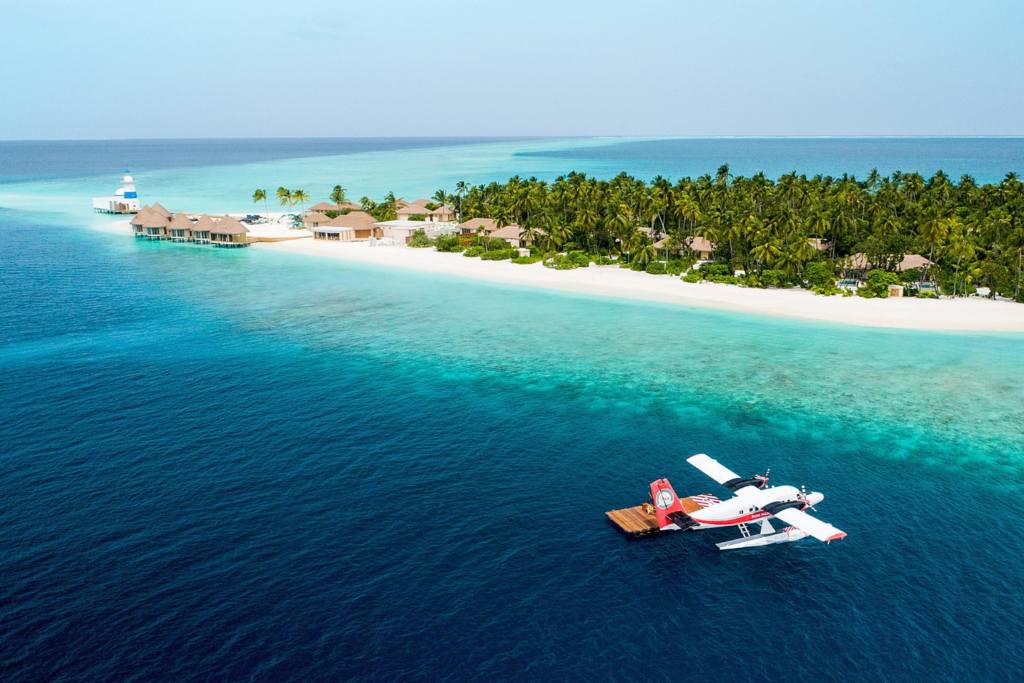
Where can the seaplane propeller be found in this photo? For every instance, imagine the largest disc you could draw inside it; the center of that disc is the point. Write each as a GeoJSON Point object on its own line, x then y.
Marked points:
{"type": "Point", "coordinates": [803, 492]}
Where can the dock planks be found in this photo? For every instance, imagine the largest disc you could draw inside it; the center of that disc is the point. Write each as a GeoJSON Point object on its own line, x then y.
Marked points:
{"type": "Point", "coordinates": [634, 521]}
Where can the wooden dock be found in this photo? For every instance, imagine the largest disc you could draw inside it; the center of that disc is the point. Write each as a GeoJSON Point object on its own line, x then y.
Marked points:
{"type": "Point", "coordinates": [638, 521]}
{"type": "Point", "coordinates": [634, 521]}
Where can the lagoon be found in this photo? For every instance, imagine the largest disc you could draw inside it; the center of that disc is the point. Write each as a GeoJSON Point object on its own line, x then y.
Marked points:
{"type": "Point", "coordinates": [251, 464]}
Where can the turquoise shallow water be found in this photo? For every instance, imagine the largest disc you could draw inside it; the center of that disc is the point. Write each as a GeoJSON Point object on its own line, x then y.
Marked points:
{"type": "Point", "coordinates": [249, 465]}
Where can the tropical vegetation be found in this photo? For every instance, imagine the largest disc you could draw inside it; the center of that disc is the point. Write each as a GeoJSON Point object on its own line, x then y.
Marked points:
{"type": "Point", "coordinates": [793, 230]}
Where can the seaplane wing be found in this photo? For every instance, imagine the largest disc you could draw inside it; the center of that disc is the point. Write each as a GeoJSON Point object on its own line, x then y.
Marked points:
{"type": "Point", "coordinates": [720, 473]}
{"type": "Point", "coordinates": [814, 527]}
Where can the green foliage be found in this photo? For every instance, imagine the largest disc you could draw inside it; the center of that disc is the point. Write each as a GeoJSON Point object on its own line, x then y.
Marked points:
{"type": "Point", "coordinates": [818, 275]}
{"type": "Point", "coordinates": [605, 261]}
{"type": "Point", "coordinates": [560, 262]}
{"type": "Point", "coordinates": [827, 290]}
{"type": "Point", "coordinates": [877, 284]}
{"type": "Point", "coordinates": [448, 243]}
{"type": "Point", "coordinates": [637, 266]}
{"type": "Point", "coordinates": [656, 268]}
{"type": "Point", "coordinates": [420, 240]}
{"type": "Point", "coordinates": [772, 229]}
{"type": "Point", "coordinates": [692, 276]}
{"type": "Point", "coordinates": [414, 217]}
{"type": "Point", "coordinates": [580, 259]}
{"type": "Point", "coordinates": [774, 278]}
{"type": "Point", "coordinates": [500, 255]}
{"type": "Point", "coordinates": [473, 251]}
{"type": "Point", "coordinates": [527, 260]}
{"type": "Point", "coordinates": [675, 268]}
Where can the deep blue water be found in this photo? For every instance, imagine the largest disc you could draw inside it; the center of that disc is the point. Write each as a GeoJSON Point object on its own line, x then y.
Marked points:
{"type": "Point", "coordinates": [247, 465]}
{"type": "Point", "coordinates": [987, 159]}
{"type": "Point", "coordinates": [26, 160]}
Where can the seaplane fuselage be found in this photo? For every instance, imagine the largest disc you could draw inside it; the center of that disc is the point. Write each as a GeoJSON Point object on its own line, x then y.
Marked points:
{"type": "Point", "coordinates": [745, 509]}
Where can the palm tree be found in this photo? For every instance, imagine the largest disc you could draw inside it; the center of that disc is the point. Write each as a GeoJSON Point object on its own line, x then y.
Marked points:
{"type": "Point", "coordinates": [257, 196]}
{"type": "Point", "coordinates": [284, 196]}
{"type": "Point", "coordinates": [338, 196]}
{"type": "Point", "coordinates": [301, 197]}
{"type": "Point", "coordinates": [460, 190]}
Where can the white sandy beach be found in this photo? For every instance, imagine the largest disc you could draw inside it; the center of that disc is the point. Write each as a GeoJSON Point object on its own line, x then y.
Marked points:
{"type": "Point", "coordinates": [926, 314]}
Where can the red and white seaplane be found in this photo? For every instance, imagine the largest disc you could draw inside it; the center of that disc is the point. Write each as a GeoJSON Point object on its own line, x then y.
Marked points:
{"type": "Point", "coordinates": [753, 501]}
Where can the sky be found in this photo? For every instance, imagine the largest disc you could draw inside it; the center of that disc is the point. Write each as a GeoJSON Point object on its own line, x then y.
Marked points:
{"type": "Point", "coordinates": [333, 68]}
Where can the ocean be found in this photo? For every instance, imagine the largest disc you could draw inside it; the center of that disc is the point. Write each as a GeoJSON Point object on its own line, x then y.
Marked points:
{"type": "Point", "coordinates": [251, 465]}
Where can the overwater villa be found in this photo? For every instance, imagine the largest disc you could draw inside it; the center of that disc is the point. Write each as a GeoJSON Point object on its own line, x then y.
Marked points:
{"type": "Point", "coordinates": [201, 230]}
{"type": "Point", "coordinates": [228, 232]}
{"type": "Point", "coordinates": [154, 225]}
{"type": "Point", "coordinates": [180, 228]}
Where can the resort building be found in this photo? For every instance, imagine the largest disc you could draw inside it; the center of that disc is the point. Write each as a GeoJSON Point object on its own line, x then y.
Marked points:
{"type": "Point", "coordinates": [511, 234]}
{"type": "Point", "coordinates": [201, 230]}
{"type": "Point", "coordinates": [125, 200]}
{"type": "Point", "coordinates": [324, 206]}
{"type": "Point", "coordinates": [363, 225]}
{"type": "Point", "coordinates": [180, 228]}
{"type": "Point", "coordinates": [700, 246]}
{"type": "Point", "coordinates": [913, 261]}
{"type": "Point", "coordinates": [155, 225]}
{"type": "Point", "coordinates": [138, 220]}
{"type": "Point", "coordinates": [314, 220]}
{"type": "Point", "coordinates": [160, 210]}
{"type": "Point", "coordinates": [332, 234]}
{"type": "Point", "coordinates": [418, 211]}
{"type": "Point", "coordinates": [228, 232]}
{"type": "Point", "coordinates": [474, 226]}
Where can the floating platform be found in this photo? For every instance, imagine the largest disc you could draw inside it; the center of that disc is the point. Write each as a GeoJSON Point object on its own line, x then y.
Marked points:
{"type": "Point", "coordinates": [635, 521]}
{"type": "Point", "coordinates": [641, 520]}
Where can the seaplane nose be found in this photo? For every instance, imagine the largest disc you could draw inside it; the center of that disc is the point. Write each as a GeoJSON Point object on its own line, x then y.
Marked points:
{"type": "Point", "coordinates": [814, 497]}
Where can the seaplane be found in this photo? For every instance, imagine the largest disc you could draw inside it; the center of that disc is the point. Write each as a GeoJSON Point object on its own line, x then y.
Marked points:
{"type": "Point", "coordinates": [751, 508]}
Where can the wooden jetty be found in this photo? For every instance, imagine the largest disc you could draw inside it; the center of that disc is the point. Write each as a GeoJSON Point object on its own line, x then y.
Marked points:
{"type": "Point", "coordinates": [641, 520]}
{"type": "Point", "coordinates": [636, 521]}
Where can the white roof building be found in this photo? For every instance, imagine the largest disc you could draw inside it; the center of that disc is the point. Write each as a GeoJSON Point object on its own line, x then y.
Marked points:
{"type": "Point", "coordinates": [125, 200]}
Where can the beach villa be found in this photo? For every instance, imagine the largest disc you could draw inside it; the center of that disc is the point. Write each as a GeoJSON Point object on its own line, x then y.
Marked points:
{"type": "Point", "coordinates": [418, 211]}
{"type": "Point", "coordinates": [511, 234]}
{"type": "Point", "coordinates": [355, 225]}
{"type": "Point", "coordinates": [313, 220]}
{"type": "Point", "coordinates": [701, 247]}
{"type": "Point", "coordinates": [323, 207]}
{"type": "Point", "coordinates": [228, 232]}
{"type": "Point", "coordinates": [334, 234]}
{"type": "Point", "coordinates": [474, 226]}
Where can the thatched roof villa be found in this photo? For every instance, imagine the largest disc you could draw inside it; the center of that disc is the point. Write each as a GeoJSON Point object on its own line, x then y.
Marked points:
{"type": "Point", "coordinates": [180, 228]}
{"type": "Point", "coordinates": [228, 232]}
{"type": "Point", "coordinates": [201, 230]}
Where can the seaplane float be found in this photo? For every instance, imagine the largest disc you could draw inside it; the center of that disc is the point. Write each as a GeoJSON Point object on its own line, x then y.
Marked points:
{"type": "Point", "coordinates": [751, 508]}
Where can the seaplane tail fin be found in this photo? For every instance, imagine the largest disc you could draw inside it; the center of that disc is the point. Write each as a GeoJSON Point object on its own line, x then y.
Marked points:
{"type": "Point", "coordinates": [666, 503]}
{"type": "Point", "coordinates": [823, 531]}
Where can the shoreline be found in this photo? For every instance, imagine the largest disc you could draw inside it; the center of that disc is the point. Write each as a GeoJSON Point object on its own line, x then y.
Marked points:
{"type": "Point", "coordinates": [972, 314]}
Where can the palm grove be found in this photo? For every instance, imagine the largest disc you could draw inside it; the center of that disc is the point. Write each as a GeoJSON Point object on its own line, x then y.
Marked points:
{"type": "Point", "coordinates": [773, 230]}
